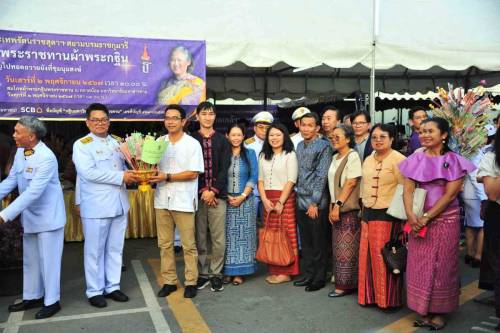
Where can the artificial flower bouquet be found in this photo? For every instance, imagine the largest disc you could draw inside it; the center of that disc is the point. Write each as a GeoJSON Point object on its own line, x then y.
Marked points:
{"type": "Point", "coordinates": [143, 153]}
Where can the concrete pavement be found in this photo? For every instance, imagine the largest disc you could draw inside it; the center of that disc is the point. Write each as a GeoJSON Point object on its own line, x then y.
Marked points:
{"type": "Point", "coordinates": [254, 306]}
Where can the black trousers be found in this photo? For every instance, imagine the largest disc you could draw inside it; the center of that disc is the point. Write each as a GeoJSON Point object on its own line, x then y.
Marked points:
{"type": "Point", "coordinates": [489, 276]}
{"type": "Point", "coordinates": [314, 240]}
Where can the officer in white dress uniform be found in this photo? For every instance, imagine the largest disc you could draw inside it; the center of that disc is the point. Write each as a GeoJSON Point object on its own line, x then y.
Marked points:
{"type": "Point", "coordinates": [261, 121]}
{"type": "Point", "coordinates": [296, 116]}
{"type": "Point", "coordinates": [102, 196]}
{"type": "Point", "coordinates": [41, 206]}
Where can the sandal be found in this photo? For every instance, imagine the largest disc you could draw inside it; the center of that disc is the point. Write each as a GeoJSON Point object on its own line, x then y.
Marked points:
{"type": "Point", "coordinates": [270, 278]}
{"type": "Point", "coordinates": [334, 293]}
{"type": "Point", "coordinates": [227, 279]}
{"type": "Point", "coordinates": [237, 280]}
{"type": "Point", "coordinates": [277, 279]}
{"type": "Point", "coordinates": [436, 326]}
{"type": "Point", "coordinates": [421, 323]}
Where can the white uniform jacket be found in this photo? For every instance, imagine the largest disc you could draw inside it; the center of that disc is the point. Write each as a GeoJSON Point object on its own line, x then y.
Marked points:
{"type": "Point", "coordinates": [40, 202]}
{"type": "Point", "coordinates": [100, 165]}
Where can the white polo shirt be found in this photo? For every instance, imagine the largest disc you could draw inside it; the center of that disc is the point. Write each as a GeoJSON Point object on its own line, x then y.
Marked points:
{"type": "Point", "coordinates": [184, 155]}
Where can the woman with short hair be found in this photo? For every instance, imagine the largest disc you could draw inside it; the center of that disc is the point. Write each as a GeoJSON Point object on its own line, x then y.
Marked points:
{"type": "Point", "coordinates": [376, 285]}
{"type": "Point", "coordinates": [343, 181]}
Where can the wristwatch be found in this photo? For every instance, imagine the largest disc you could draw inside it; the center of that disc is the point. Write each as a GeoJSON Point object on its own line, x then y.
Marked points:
{"type": "Point", "coordinates": [339, 203]}
{"type": "Point", "coordinates": [426, 215]}
{"type": "Point", "coordinates": [168, 177]}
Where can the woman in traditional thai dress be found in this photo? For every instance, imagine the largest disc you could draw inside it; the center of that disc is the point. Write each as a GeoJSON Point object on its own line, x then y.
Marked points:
{"type": "Point", "coordinates": [278, 171]}
{"type": "Point", "coordinates": [343, 181]}
{"type": "Point", "coordinates": [489, 175]}
{"type": "Point", "coordinates": [433, 282]}
{"type": "Point", "coordinates": [240, 213]}
{"type": "Point", "coordinates": [183, 87]}
{"type": "Point", "coordinates": [376, 285]}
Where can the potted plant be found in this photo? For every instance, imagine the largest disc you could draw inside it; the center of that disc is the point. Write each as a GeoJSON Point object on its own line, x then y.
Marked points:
{"type": "Point", "coordinates": [11, 258]}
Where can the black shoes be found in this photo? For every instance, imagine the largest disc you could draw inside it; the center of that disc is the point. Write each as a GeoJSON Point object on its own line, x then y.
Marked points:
{"type": "Point", "coordinates": [117, 296]}
{"type": "Point", "coordinates": [305, 281]}
{"type": "Point", "coordinates": [48, 311]}
{"type": "Point", "coordinates": [190, 292]}
{"type": "Point", "coordinates": [26, 304]}
{"type": "Point", "coordinates": [475, 263]}
{"type": "Point", "coordinates": [98, 301]}
{"type": "Point", "coordinates": [166, 290]}
{"type": "Point", "coordinates": [315, 286]}
{"type": "Point", "coordinates": [216, 284]}
{"type": "Point", "coordinates": [202, 283]}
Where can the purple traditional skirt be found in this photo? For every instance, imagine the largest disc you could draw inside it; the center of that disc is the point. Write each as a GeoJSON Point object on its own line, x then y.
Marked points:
{"type": "Point", "coordinates": [433, 282]}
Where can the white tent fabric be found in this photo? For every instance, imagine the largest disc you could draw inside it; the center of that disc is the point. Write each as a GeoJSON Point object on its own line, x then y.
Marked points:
{"type": "Point", "coordinates": [452, 34]}
{"type": "Point", "coordinates": [253, 45]}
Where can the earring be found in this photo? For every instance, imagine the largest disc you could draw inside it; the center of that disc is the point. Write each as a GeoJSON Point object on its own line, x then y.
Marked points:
{"type": "Point", "coordinates": [444, 141]}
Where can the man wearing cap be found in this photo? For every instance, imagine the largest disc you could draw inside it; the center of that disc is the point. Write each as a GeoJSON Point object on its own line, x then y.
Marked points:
{"type": "Point", "coordinates": [41, 206]}
{"type": "Point", "coordinates": [261, 121]}
{"type": "Point", "coordinates": [296, 116]}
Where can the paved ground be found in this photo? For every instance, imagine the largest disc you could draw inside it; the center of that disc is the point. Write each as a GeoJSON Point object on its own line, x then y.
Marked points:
{"type": "Point", "coordinates": [254, 306]}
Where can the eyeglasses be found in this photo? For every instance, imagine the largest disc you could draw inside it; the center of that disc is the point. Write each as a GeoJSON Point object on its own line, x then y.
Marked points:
{"type": "Point", "coordinates": [99, 120]}
{"type": "Point", "coordinates": [359, 123]}
{"type": "Point", "coordinates": [173, 118]}
{"type": "Point", "coordinates": [379, 138]}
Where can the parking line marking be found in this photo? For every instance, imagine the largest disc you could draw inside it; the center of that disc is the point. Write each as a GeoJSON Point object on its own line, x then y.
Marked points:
{"type": "Point", "coordinates": [9, 324]}
{"type": "Point", "coordinates": [12, 324]}
{"type": "Point", "coordinates": [480, 329]}
{"type": "Point", "coordinates": [159, 321]}
{"type": "Point", "coordinates": [485, 323]}
{"type": "Point", "coordinates": [405, 324]}
{"type": "Point", "coordinates": [185, 312]}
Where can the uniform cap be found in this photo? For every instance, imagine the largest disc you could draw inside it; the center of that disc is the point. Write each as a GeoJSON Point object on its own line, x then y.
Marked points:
{"type": "Point", "coordinates": [263, 117]}
{"type": "Point", "coordinates": [300, 112]}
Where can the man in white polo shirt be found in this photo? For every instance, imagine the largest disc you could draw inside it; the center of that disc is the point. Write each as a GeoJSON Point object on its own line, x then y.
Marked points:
{"type": "Point", "coordinates": [176, 201]}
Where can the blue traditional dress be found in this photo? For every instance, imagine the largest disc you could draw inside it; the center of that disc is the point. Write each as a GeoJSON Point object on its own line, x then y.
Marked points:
{"type": "Point", "coordinates": [241, 220]}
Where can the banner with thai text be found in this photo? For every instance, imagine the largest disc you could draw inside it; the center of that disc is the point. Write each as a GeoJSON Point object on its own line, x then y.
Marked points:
{"type": "Point", "coordinates": [56, 76]}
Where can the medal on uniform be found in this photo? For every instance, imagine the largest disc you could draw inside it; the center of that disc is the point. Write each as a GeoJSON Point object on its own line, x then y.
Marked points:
{"type": "Point", "coordinates": [28, 152]}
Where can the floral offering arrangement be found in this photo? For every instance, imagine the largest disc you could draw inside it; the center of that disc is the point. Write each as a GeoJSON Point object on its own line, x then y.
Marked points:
{"type": "Point", "coordinates": [467, 114]}
{"type": "Point", "coordinates": [143, 153]}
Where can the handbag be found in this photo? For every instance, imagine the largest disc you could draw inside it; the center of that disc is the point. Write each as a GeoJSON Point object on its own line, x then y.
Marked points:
{"type": "Point", "coordinates": [352, 202]}
{"type": "Point", "coordinates": [275, 247]}
{"type": "Point", "coordinates": [395, 253]}
{"type": "Point", "coordinates": [397, 207]}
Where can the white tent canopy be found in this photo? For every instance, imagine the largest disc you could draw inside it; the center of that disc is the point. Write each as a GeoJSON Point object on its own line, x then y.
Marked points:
{"type": "Point", "coordinates": [251, 44]}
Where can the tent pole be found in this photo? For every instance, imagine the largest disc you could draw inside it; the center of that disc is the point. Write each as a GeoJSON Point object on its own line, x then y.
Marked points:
{"type": "Point", "coordinates": [265, 90]}
{"type": "Point", "coordinates": [372, 85]}
{"type": "Point", "coordinates": [372, 71]}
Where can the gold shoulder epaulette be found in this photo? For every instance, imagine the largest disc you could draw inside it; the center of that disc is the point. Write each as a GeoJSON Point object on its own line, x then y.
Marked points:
{"type": "Point", "coordinates": [87, 139]}
{"type": "Point", "coordinates": [250, 140]}
{"type": "Point", "coordinates": [117, 138]}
